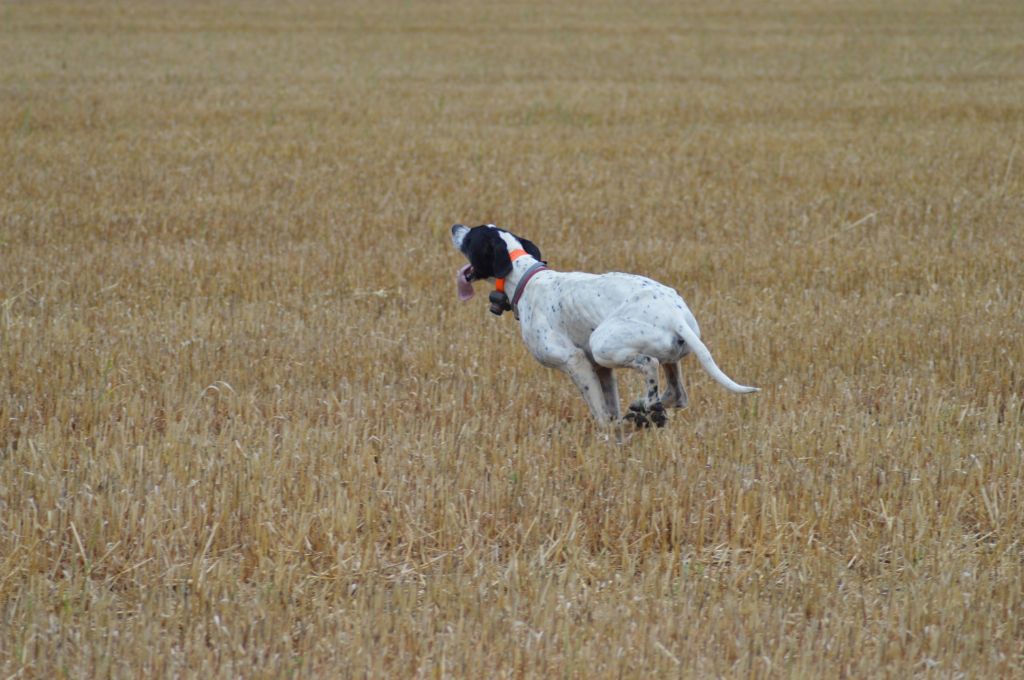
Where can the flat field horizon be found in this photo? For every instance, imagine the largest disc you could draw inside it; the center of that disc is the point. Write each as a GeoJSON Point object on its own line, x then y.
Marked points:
{"type": "Point", "coordinates": [247, 430]}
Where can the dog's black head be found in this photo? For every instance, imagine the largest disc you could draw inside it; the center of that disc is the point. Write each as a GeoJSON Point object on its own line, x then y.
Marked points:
{"type": "Point", "coordinates": [487, 251]}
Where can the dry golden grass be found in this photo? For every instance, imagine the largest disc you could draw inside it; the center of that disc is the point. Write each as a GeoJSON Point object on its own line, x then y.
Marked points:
{"type": "Point", "coordinates": [247, 431]}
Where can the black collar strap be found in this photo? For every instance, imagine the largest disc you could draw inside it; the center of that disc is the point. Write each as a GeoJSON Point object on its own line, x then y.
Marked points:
{"type": "Point", "coordinates": [539, 267]}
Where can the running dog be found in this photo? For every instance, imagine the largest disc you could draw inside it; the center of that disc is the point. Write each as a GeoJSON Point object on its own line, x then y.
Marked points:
{"type": "Point", "coordinates": [588, 324]}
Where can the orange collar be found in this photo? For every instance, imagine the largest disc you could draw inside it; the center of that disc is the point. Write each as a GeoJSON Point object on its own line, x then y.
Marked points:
{"type": "Point", "coordinates": [499, 284]}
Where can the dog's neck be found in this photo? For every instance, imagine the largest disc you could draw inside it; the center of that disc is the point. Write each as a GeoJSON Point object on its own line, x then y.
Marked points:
{"type": "Point", "coordinates": [522, 262]}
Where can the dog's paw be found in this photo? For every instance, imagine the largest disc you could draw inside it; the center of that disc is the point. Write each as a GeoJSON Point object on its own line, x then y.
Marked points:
{"type": "Point", "coordinates": [638, 415]}
{"type": "Point", "coordinates": [638, 420]}
{"type": "Point", "coordinates": [657, 415]}
{"type": "Point", "coordinates": [641, 416]}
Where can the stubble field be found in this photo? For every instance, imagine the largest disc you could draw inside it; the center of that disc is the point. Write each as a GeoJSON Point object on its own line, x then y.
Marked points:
{"type": "Point", "coordinates": [246, 430]}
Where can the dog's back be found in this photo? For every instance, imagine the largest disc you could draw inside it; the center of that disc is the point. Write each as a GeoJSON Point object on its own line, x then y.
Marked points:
{"type": "Point", "coordinates": [577, 303]}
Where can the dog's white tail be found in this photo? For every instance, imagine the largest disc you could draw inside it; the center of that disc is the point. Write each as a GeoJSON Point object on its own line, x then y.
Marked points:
{"type": "Point", "coordinates": [705, 359]}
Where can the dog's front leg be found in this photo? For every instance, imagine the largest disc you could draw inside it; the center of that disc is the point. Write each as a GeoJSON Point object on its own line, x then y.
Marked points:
{"type": "Point", "coordinates": [610, 388]}
{"type": "Point", "coordinates": [585, 377]}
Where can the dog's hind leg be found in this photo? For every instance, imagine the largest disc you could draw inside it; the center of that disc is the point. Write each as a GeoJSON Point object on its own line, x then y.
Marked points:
{"type": "Point", "coordinates": [621, 345]}
{"type": "Point", "coordinates": [647, 367]}
{"type": "Point", "coordinates": [674, 395]}
{"type": "Point", "coordinates": [648, 408]}
{"type": "Point", "coordinates": [624, 344]}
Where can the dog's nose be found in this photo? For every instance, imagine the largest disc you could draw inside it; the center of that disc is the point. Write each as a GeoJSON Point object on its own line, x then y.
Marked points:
{"type": "Point", "coordinates": [456, 227]}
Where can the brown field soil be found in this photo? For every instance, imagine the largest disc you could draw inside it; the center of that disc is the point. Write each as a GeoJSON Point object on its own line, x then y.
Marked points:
{"type": "Point", "coordinates": [246, 430]}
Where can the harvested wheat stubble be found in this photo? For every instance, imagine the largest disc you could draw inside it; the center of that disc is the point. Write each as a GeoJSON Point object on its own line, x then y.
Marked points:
{"type": "Point", "coordinates": [247, 431]}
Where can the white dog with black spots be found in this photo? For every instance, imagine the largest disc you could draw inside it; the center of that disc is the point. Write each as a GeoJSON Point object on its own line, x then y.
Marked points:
{"type": "Point", "coordinates": [589, 324]}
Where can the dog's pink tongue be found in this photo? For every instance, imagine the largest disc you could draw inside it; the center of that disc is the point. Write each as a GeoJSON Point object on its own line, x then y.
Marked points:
{"type": "Point", "coordinates": [464, 287]}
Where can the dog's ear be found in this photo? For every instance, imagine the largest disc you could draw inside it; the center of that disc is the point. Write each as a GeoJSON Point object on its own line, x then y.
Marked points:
{"type": "Point", "coordinates": [501, 263]}
{"type": "Point", "coordinates": [486, 252]}
{"type": "Point", "coordinates": [529, 247]}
